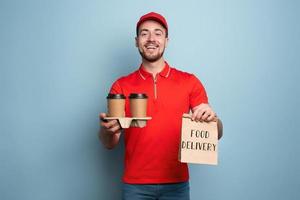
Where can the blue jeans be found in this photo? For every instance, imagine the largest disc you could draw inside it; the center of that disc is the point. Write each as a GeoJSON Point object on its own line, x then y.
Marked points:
{"type": "Point", "coordinates": [173, 191]}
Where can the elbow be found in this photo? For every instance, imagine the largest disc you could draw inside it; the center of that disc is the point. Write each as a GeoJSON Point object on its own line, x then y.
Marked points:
{"type": "Point", "coordinates": [220, 129]}
{"type": "Point", "coordinates": [109, 147]}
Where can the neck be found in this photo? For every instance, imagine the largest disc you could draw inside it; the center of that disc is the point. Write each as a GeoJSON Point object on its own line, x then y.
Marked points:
{"type": "Point", "coordinates": [154, 67]}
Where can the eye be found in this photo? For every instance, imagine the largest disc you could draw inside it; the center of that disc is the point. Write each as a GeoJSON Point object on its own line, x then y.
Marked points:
{"type": "Point", "coordinates": [158, 33]}
{"type": "Point", "coordinates": [143, 33]}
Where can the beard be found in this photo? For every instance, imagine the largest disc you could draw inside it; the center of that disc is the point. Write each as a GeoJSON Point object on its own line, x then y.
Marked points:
{"type": "Point", "coordinates": [151, 57]}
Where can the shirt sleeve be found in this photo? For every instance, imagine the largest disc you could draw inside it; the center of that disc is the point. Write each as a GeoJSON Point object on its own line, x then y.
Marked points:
{"type": "Point", "coordinates": [116, 88]}
{"type": "Point", "coordinates": [197, 94]}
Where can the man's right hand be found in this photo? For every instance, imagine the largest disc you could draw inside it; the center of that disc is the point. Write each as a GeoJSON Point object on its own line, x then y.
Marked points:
{"type": "Point", "coordinates": [110, 131]}
{"type": "Point", "coordinates": [110, 126]}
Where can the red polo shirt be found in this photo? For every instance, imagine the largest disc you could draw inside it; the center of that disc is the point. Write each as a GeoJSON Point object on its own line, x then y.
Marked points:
{"type": "Point", "coordinates": [151, 153]}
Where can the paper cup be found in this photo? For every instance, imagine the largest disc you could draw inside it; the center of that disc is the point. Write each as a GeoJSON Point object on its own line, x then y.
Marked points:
{"type": "Point", "coordinates": [115, 105]}
{"type": "Point", "coordinates": [138, 104]}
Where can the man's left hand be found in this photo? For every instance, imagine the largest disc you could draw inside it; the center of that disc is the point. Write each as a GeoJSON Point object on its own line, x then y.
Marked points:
{"type": "Point", "coordinates": [203, 112]}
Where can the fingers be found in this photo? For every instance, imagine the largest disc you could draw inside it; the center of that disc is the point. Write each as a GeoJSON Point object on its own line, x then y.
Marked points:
{"type": "Point", "coordinates": [102, 116]}
{"type": "Point", "coordinates": [115, 128]}
{"type": "Point", "coordinates": [111, 126]}
{"type": "Point", "coordinates": [203, 112]}
{"type": "Point", "coordinates": [199, 115]}
{"type": "Point", "coordinates": [210, 118]}
{"type": "Point", "coordinates": [205, 116]}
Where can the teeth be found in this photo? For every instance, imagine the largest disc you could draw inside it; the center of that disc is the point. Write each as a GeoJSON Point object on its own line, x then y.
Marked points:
{"type": "Point", "coordinates": [151, 47]}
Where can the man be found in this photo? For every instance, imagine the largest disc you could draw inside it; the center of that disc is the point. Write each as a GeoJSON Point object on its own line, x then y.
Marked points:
{"type": "Point", "coordinates": [152, 169]}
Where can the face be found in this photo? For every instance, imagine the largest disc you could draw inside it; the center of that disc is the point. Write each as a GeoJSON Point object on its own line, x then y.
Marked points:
{"type": "Point", "coordinates": [151, 40]}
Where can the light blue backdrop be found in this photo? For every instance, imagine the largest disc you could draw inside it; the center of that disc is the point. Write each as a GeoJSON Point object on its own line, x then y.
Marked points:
{"type": "Point", "coordinates": [59, 58]}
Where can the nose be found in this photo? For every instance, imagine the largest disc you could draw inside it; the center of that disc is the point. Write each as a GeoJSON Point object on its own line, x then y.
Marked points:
{"type": "Point", "coordinates": [151, 37]}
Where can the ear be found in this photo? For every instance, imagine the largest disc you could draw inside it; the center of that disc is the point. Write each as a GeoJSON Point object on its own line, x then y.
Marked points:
{"type": "Point", "coordinates": [136, 41]}
{"type": "Point", "coordinates": [166, 43]}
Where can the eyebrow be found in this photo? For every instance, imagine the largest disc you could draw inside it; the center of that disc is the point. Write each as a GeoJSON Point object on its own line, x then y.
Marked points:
{"type": "Point", "coordinates": [157, 29]}
{"type": "Point", "coordinates": [143, 30]}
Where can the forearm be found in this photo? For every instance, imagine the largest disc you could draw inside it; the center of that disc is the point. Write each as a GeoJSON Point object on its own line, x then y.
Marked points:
{"type": "Point", "coordinates": [109, 140]}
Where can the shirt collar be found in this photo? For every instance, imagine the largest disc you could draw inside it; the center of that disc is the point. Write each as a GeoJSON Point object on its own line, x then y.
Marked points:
{"type": "Point", "coordinates": [164, 73]}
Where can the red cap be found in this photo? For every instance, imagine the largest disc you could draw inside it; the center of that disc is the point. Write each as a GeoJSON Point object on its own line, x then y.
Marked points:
{"type": "Point", "coordinates": [153, 16]}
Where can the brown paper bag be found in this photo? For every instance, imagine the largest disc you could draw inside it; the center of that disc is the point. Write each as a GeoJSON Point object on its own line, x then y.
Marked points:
{"type": "Point", "coordinates": [199, 142]}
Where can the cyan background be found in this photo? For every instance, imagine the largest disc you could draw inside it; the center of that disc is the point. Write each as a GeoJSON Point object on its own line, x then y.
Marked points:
{"type": "Point", "coordinates": [59, 58]}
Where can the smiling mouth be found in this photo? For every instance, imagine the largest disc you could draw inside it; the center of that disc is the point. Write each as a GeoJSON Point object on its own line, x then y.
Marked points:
{"type": "Point", "coordinates": [151, 46]}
